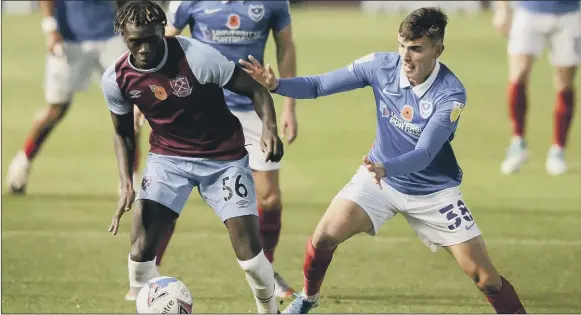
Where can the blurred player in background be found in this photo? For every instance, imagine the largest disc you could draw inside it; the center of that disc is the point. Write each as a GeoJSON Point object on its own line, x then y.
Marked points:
{"type": "Point", "coordinates": [411, 168]}
{"type": "Point", "coordinates": [533, 26]}
{"type": "Point", "coordinates": [238, 29]}
{"type": "Point", "coordinates": [80, 41]}
{"type": "Point", "coordinates": [177, 83]}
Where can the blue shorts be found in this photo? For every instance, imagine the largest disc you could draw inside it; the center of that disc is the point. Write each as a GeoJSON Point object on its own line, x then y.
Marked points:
{"type": "Point", "coordinates": [226, 186]}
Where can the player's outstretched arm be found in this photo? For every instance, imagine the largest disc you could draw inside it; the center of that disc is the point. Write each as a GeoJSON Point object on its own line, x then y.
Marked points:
{"type": "Point", "coordinates": [340, 80]}
{"type": "Point", "coordinates": [242, 83]}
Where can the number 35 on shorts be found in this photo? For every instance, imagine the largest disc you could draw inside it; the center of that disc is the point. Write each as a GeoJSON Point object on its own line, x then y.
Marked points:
{"type": "Point", "coordinates": [455, 218]}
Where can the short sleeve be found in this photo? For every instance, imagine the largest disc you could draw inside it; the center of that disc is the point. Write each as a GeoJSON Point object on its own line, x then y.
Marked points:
{"type": "Point", "coordinates": [207, 63]}
{"type": "Point", "coordinates": [362, 68]}
{"type": "Point", "coordinates": [449, 108]}
{"type": "Point", "coordinates": [280, 17]}
{"type": "Point", "coordinates": [113, 96]}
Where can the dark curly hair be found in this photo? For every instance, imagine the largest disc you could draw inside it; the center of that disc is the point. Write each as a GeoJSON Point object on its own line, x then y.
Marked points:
{"type": "Point", "coordinates": [139, 13]}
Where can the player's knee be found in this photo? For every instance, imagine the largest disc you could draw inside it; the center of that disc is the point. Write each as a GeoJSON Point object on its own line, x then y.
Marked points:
{"type": "Point", "coordinates": [564, 79]}
{"type": "Point", "coordinates": [487, 282]}
{"type": "Point", "coordinates": [519, 73]}
{"type": "Point", "coordinates": [269, 201]}
{"type": "Point", "coordinates": [324, 241]}
{"type": "Point", "coordinates": [140, 255]}
{"type": "Point", "coordinates": [520, 76]}
{"type": "Point", "coordinates": [142, 252]}
{"type": "Point", "coordinates": [54, 113]}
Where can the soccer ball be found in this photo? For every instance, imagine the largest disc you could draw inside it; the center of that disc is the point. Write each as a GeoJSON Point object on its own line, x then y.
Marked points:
{"type": "Point", "coordinates": [164, 295]}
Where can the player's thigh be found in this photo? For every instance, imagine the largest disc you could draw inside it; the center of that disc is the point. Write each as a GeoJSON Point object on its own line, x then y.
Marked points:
{"type": "Point", "coordinates": [151, 222]}
{"type": "Point", "coordinates": [82, 64]}
{"type": "Point", "coordinates": [441, 219]}
{"type": "Point", "coordinates": [366, 194]}
{"type": "Point", "coordinates": [527, 33]}
{"type": "Point", "coordinates": [166, 180]}
{"type": "Point", "coordinates": [566, 41]}
{"type": "Point", "coordinates": [61, 73]}
{"type": "Point", "coordinates": [227, 187]}
{"type": "Point", "coordinates": [343, 219]}
{"type": "Point", "coordinates": [252, 127]}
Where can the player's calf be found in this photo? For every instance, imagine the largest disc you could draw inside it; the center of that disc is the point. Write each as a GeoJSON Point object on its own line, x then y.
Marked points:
{"type": "Point", "coordinates": [342, 220]}
{"type": "Point", "coordinates": [151, 222]}
{"type": "Point", "coordinates": [268, 199]}
{"type": "Point", "coordinates": [45, 120]}
{"type": "Point", "coordinates": [473, 259]}
{"type": "Point", "coordinates": [245, 240]}
{"type": "Point", "coordinates": [19, 169]}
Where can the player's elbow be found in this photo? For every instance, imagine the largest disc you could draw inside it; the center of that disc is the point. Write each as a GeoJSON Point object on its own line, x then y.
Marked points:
{"type": "Point", "coordinates": [425, 158]}
{"type": "Point", "coordinates": [259, 95]}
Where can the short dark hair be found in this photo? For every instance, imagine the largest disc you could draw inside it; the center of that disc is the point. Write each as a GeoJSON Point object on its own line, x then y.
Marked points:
{"type": "Point", "coordinates": [430, 22]}
{"type": "Point", "coordinates": [139, 13]}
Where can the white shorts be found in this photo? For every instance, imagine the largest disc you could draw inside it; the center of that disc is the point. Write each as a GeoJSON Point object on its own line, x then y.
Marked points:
{"type": "Point", "coordinates": [72, 73]}
{"type": "Point", "coordinates": [440, 219]}
{"type": "Point", "coordinates": [252, 126]}
{"type": "Point", "coordinates": [530, 32]}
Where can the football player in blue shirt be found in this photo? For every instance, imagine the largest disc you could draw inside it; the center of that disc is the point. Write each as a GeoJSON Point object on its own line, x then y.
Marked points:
{"type": "Point", "coordinates": [80, 41]}
{"type": "Point", "coordinates": [411, 168]}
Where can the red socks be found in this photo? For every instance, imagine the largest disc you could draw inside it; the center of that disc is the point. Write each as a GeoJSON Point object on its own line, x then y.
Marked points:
{"type": "Point", "coordinates": [517, 104]}
{"type": "Point", "coordinates": [270, 225]}
{"type": "Point", "coordinates": [506, 300]}
{"type": "Point", "coordinates": [315, 266]}
{"type": "Point", "coordinates": [563, 114]}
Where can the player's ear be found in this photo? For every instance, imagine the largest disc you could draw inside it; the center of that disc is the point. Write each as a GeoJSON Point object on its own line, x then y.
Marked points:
{"type": "Point", "coordinates": [439, 50]}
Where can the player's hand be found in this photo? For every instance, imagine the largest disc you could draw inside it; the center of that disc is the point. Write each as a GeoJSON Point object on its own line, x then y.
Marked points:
{"type": "Point", "coordinates": [289, 125]}
{"type": "Point", "coordinates": [263, 75]}
{"type": "Point", "coordinates": [377, 170]}
{"type": "Point", "coordinates": [138, 119]}
{"type": "Point", "coordinates": [271, 145]}
{"type": "Point", "coordinates": [502, 19]}
{"type": "Point", "coordinates": [54, 44]}
{"type": "Point", "coordinates": [123, 205]}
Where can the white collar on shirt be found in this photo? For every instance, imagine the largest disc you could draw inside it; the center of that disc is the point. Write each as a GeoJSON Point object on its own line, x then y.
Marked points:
{"type": "Point", "coordinates": [422, 88]}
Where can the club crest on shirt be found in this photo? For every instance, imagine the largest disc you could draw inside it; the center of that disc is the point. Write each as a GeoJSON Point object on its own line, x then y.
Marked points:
{"type": "Point", "coordinates": [456, 111]}
{"type": "Point", "coordinates": [159, 92]}
{"type": "Point", "coordinates": [256, 12]}
{"type": "Point", "coordinates": [407, 113]}
{"type": "Point", "coordinates": [233, 21]}
{"type": "Point", "coordinates": [181, 86]}
{"type": "Point", "coordinates": [426, 109]}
